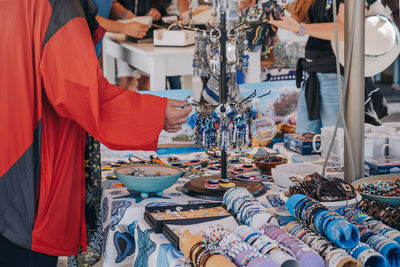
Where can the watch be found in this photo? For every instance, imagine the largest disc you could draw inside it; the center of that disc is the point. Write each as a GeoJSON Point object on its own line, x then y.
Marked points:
{"type": "Point", "coordinates": [302, 29]}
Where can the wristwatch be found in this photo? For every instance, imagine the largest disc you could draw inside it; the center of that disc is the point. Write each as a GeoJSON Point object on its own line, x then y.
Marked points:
{"type": "Point", "coordinates": [302, 29]}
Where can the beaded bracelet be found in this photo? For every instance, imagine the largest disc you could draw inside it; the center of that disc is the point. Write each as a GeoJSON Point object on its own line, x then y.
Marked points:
{"type": "Point", "coordinates": [246, 207]}
{"type": "Point", "coordinates": [249, 258]}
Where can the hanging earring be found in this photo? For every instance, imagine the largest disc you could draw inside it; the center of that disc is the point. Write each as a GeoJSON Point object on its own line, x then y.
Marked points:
{"type": "Point", "coordinates": [196, 55]}
{"type": "Point", "coordinates": [205, 68]}
{"type": "Point", "coordinates": [223, 111]}
{"type": "Point", "coordinates": [215, 35]}
{"type": "Point", "coordinates": [231, 51]}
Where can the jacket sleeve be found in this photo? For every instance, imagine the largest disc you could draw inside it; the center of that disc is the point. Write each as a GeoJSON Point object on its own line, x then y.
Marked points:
{"type": "Point", "coordinates": [77, 90]}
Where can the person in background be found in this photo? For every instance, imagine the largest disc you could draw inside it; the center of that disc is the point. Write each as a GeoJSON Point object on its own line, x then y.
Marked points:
{"type": "Point", "coordinates": [393, 5]}
{"type": "Point", "coordinates": [318, 104]}
{"type": "Point", "coordinates": [109, 11]}
{"type": "Point", "coordinates": [53, 93]}
{"type": "Point", "coordinates": [129, 77]}
{"type": "Point", "coordinates": [176, 8]}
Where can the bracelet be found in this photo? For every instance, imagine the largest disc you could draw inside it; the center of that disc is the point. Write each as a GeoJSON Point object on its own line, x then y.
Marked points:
{"type": "Point", "coordinates": [202, 256]}
{"type": "Point", "coordinates": [302, 29]}
{"type": "Point", "coordinates": [195, 246]}
{"type": "Point", "coordinates": [207, 257]}
{"type": "Point", "coordinates": [248, 259]}
{"type": "Point", "coordinates": [198, 255]}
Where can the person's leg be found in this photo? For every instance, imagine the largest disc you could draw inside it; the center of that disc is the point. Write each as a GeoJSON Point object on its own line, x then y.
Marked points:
{"type": "Point", "coordinates": [396, 74]}
{"type": "Point", "coordinates": [125, 74]}
{"type": "Point", "coordinates": [303, 124]}
{"type": "Point", "coordinates": [174, 82]}
{"type": "Point", "coordinates": [15, 256]}
{"type": "Point", "coordinates": [329, 98]}
{"type": "Point", "coordinates": [144, 83]}
{"type": "Point", "coordinates": [127, 83]}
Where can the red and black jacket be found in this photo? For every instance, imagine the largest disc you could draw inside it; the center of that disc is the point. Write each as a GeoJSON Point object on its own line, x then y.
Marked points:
{"type": "Point", "coordinates": [51, 93]}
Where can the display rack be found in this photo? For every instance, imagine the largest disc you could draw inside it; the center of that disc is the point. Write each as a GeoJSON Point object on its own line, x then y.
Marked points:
{"type": "Point", "coordinates": [195, 187]}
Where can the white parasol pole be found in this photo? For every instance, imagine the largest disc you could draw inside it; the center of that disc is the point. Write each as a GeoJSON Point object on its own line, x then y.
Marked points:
{"type": "Point", "coordinates": [354, 106]}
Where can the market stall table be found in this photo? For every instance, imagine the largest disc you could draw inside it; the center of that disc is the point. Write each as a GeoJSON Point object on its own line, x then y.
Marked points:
{"type": "Point", "coordinates": [157, 62]}
{"type": "Point", "coordinates": [129, 240]}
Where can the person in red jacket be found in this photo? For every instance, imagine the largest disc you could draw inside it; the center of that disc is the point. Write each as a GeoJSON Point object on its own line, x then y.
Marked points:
{"type": "Point", "coordinates": [52, 92]}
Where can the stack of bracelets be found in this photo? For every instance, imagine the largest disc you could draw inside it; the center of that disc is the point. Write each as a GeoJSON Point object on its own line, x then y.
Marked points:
{"type": "Point", "coordinates": [358, 216]}
{"type": "Point", "coordinates": [333, 255]}
{"type": "Point", "coordinates": [381, 188]}
{"type": "Point", "coordinates": [266, 246]}
{"type": "Point", "coordinates": [247, 209]}
{"type": "Point", "coordinates": [230, 245]}
{"type": "Point", "coordinates": [385, 246]}
{"type": "Point", "coordinates": [301, 251]}
{"type": "Point", "coordinates": [204, 252]}
{"type": "Point", "coordinates": [324, 221]}
{"type": "Point", "coordinates": [323, 189]}
{"type": "Point", "coordinates": [378, 209]}
{"type": "Point", "coordinates": [379, 236]}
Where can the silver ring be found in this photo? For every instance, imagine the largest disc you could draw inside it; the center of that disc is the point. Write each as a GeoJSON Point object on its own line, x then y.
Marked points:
{"type": "Point", "coordinates": [214, 38]}
{"type": "Point", "coordinates": [233, 34]}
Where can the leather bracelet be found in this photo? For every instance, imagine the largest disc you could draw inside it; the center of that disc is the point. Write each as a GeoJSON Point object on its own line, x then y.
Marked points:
{"type": "Point", "coordinates": [202, 256]}
{"type": "Point", "coordinates": [195, 246]}
{"type": "Point", "coordinates": [198, 255]}
{"type": "Point", "coordinates": [206, 258]}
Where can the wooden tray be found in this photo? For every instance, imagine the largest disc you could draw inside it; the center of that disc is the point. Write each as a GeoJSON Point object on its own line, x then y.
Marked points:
{"type": "Point", "coordinates": [195, 188]}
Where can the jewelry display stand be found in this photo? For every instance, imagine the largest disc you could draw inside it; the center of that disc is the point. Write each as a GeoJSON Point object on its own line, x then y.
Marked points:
{"type": "Point", "coordinates": [196, 187]}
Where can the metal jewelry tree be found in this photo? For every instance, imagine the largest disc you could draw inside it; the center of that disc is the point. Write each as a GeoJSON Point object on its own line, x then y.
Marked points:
{"type": "Point", "coordinates": [227, 125]}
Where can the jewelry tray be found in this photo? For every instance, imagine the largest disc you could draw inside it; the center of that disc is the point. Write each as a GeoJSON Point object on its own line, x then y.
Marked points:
{"type": "Point", "coordinates": [158, 225]}
{"type": "Point", "coordinates": [173, 238]}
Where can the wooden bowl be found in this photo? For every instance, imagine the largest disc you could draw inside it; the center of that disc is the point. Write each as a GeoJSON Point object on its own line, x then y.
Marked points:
{"type": "Point", "coordinates": [266, 163]}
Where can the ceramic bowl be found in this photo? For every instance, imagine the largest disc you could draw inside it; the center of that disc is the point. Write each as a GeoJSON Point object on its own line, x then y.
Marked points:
{"type": "Point", "coordinates": [150, 184]}
{"type": "Point", "coordinates": [282, 173]}
{"type": "Point", "coordinates": [272, 162]}
{"type": "Point", "coordinates": [390, 200]}
{"type": "Point", "coordinates": [334, 205]}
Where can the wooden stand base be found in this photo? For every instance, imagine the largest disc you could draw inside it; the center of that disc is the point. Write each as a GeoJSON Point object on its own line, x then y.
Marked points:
{"type": "Point", "coordinates": [195, 188]}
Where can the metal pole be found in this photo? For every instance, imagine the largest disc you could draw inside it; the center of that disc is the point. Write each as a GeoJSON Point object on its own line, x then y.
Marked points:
{"type": "Point", "coordinates": [223, 90]}
{"type": "Point", "coordinates": [354, 106]}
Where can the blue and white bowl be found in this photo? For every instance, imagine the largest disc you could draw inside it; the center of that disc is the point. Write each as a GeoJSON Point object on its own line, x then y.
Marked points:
{"type": "Point", "coordinates": [149, 184]}
{"type": "Point", "coordinates": [386, 177]}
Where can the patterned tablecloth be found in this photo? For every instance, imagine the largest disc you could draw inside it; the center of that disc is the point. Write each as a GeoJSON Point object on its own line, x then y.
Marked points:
{"type": "Point", "coordinates": [129, 241]}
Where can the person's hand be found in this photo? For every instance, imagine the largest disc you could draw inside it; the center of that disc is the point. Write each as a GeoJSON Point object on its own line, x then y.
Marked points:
{"type": "Point", "coordinates": [135, 29]}
{"type": "Point", "coordinates": [245, 4]}
{"type": "Point", "coordinates": [175, 116]}
{"type": "Point", "coordinates": [287, 23]}
{"type": "Point", "coordinates": [155, 14]}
